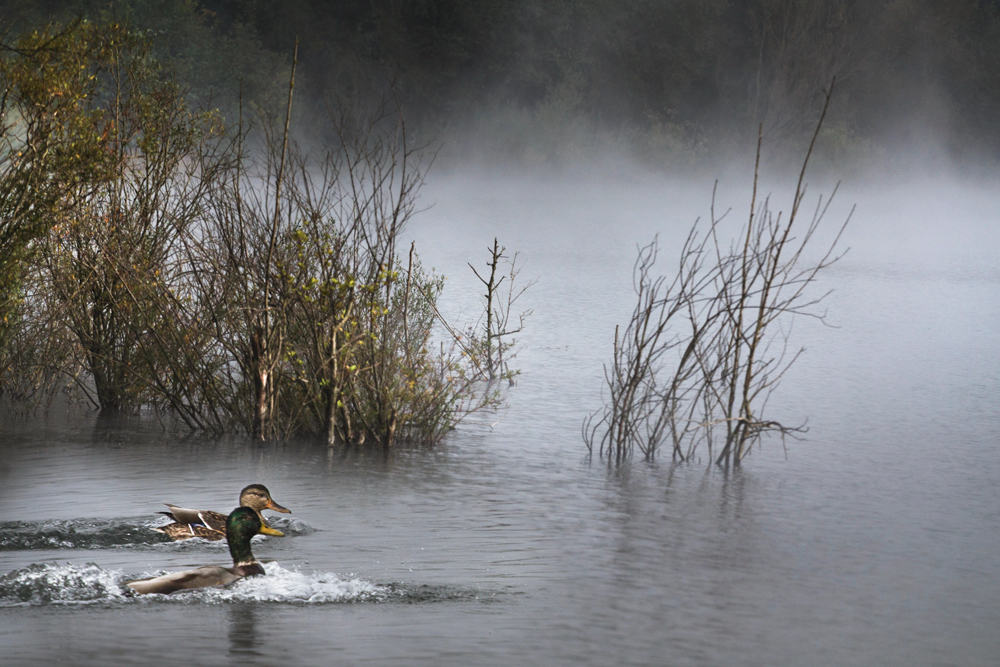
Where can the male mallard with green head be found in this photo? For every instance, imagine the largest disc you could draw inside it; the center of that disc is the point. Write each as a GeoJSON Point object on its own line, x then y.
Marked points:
{"type": "Point", "coordinates": [212, 525]}
{"type": "Point", "coordinates": [241, 526]}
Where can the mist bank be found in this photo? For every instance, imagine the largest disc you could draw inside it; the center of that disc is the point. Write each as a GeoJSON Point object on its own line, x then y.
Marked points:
{"type": "Point", "coordinates": [670, 84]}
{"type": "Point", "coordinates": [930, 225]}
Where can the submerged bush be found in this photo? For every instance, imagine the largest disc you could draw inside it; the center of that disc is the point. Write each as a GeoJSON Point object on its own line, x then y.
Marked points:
{"type": "Point", "coordinates": [697, 362]}
{"type": "Point", "coordinates": [228, 278]}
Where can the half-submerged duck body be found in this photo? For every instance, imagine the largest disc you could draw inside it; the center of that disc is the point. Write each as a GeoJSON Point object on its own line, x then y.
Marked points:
{"type": "Point", "coordinates": [241, 526]}
{"type": "Point", "coordinates": [212, 525]}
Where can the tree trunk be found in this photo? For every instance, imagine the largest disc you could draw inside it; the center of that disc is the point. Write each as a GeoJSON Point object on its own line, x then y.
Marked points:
{"type": "Point", "coordinates": [260, 379]}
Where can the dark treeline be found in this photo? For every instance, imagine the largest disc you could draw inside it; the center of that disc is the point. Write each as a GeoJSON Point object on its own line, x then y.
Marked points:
{"type": "Point", "coordinates": [665, 79]}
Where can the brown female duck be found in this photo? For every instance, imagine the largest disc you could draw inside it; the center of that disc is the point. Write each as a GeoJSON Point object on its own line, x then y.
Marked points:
{"type": "Point", "coordinates": [212, 525]}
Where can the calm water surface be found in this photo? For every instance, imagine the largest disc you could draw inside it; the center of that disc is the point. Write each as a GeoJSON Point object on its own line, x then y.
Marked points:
{"type": "Point", "coordinates": [874, 542]}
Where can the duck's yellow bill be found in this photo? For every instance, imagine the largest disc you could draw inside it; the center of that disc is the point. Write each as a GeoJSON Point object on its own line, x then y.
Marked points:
{"type": "Point", "coordinates": [267, 530]}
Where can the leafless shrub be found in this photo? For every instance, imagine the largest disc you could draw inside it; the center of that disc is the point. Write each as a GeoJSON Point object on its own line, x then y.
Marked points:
{"type": "Point", "coordinates": [703, 352]}
{"type": "Point", "coordinates": [490, 341]}
{"type": "Point", "coordinates": [398, 387]}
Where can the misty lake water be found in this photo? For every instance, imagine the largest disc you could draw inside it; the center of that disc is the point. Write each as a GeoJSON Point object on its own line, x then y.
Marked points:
{"type": "Point", "coordinates": [875, 541]}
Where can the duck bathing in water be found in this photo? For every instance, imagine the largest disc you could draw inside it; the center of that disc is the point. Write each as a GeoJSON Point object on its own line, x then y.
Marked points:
{"type": "Point", "coordinates": [212, 525]}
{"type": "Point", "coordinates": [241, 526]}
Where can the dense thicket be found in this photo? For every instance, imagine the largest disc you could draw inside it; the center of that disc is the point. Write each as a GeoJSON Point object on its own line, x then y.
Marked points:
{"type": "Point", "coordinates": [156, 257]}
{"type": "Point", "coordinates": [666, 78]}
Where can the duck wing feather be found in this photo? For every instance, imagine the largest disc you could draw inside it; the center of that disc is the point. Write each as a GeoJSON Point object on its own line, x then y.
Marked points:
{"type": "Point", "coordinates": [202, 577]}
{"type": "Point", "coordinates": [213, 520]}
{"type": "Point", "coordinates": [185, 531]}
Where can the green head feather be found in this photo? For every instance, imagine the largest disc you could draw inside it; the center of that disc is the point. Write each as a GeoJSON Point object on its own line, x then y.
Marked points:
{"type": "Point", "coordinates": [241, 525]}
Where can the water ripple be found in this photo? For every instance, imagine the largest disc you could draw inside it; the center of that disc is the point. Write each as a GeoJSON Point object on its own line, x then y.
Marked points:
{"type": "Point", "coordinates": [41, 584]}
{"type": "Point", "coordinates": [78, 534]}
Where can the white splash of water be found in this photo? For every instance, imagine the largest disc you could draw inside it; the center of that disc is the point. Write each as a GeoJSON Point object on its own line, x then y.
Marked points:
{"type": "Point", "coordinates": [281, 585]}
{"type": "Point", "coordinates": [60, 584]}
{"type": "Point", "coordinates": [47, 583]}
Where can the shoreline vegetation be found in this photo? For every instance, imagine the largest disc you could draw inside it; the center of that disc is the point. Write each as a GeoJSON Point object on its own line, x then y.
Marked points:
{"type": "Point", "coordinates": [154, 257]}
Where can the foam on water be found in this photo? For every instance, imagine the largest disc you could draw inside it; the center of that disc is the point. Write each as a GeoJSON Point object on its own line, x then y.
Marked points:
{"type": "Point", "coordinates": [291, 526]}
{"type": "Point", "coordinates": [41, 584]}
{"type": "Point", "coordinates": [47, 583]}
{"type": "Point", "coordinates": [281, 585]}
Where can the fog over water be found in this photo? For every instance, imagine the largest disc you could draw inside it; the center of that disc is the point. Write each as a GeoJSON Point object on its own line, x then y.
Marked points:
{"type": "Point", "coordinates": [874, 541]}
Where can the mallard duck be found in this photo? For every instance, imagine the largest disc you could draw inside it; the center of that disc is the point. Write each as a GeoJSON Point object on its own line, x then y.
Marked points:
{"type": "Point", "coordinates": [212, 525]}
{"type": "Point", "coordinates": [241, 525]}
